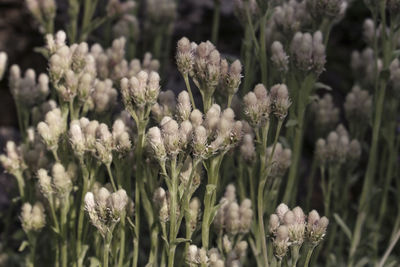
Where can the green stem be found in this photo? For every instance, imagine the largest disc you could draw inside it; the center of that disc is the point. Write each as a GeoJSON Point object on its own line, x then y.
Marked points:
{"type": "Point", "coordinates": [308, 258]}
{"type": "Point", "coordinates": [122, 242]}
{"type": "Point", "coordinates": [186, 78]}
{"type": "Point", "coordinates": [105, 254]}
{"type": "Point", "coordinates": [263, 50]}
{"type": "Point", "coordinates": [260, 194]}
{"type": "Point", "coordinates": [108, 166]}
{"type": "Point", "coordinates": [215, 25]}
{"type": "Point", "coordinates": [173, 219]}
{"type": "Point", "coordinates": [85, 181]}
{"type": "Point", "coordinates": [389, 249]}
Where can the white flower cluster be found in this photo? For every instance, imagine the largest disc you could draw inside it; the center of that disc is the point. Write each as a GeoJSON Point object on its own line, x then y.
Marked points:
{"type": "Point", "coordinates": [32, 217]}
{"type": "Point", "coordinates": [105, 209]}
{"type": "Point", "coordinates": [60, 183]}
{"type": "Point", "coordinates": [93, 137]}
{"type": "Point", "coordinates": [214, 258]}
{"type": "Point", "coordinates": [12, 160]}
{"type": "Point", "coordinates": [289, 228]}
{"type": "Point", "coordinates": [52, 128]}
{"type": "Point", "coordinates": [28, 90]}
{"type": "Point", "coordinates": [280, 161]}
{"type": "Point", "coordinates": [333, 10]}
{"type": "Point", "coordinates": [208, 70]}
{"type": "Point", "coordinates": [337, 148]}
{"type": "Point", "coordinates": [231, 218]}
{"type": "Point", "coordinates": [217, 133]}
{"type": "Point", "coordinates": [363, 66]}
{"type": "Point", "coordinates": [325, 112]}
{"type": "Point", "coordinates": [308, 52]}
{"type": "Point", "coordinates": [260, 104]}
{"type": "Point", "coordinates": [358, 105]}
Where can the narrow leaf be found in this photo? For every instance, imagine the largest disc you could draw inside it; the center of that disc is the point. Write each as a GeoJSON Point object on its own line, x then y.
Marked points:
{"type": "Point", "coordinates": [343, 225]}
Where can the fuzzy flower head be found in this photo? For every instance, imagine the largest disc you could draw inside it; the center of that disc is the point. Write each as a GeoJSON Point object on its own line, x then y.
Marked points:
{"type": "Point", "coordinates": [3, 64]}
{"type": "Point", "coordinates": [231, 217]}
{"type": "Point", "coordinates": [308, 52]}
{"type": "Point", "coordinates": [105, 209]}
{"type": "Point", "coordinates": [51, 128]}
{"type": "Point", "coordinates": [140, 90]}
{"type": "Point", "coordinates": [316, 227]}
{"type": "Point", "coordinates": [281, 160]}
{"type": "Point", "coordinates": [12, 160]}
{"type": "Point", "coordinates": [257, 106]}
{"type": "Point", "coordinates": [28, 89]}
{"type": "Point", "coordinates": [32, 218]}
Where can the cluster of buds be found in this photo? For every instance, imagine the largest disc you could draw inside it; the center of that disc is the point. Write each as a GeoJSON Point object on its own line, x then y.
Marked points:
{"type": "Point", "coordinates": [161, 13]}
{"type": "Point", "coordinates": [72, 68]}
{"type": "Point", "coordinates": [116, 8]}
{"type": "Point", "coordinates": [230, 77]}
{"type": "Point", "coordinates": [217, 133]}
{"type": "Point", "coordinates": [259, 104]}
{"type": "Point", "coordinates": [290, 17]}
{"type": "Point", "coordinates": [111, 63]}
{"type": "Point", "coordinates": [325, 113]}
{"type": "Point", "coordinates": [240, 10]}
{"type": "Point", "coordinates": [279, 57]}
{"type": "Point", "coordinates": [32, 218]}
{"type": "Point", "coordinates": [105, 209]}
{"type": "Point", "coordinates": [197, 257]}
{"type": "Point", "coordinates": [104, 96]}
{"type": "Point", "coordinates": [26, 90]}
{"type": "Point", "coordinates": [316, 227]}
{"type": "Point", "coordinates": [140, 91]}
{"type": "Point", "coordinates": [214, 258]}
{"type": "Point", "coordinates": [280, 161]}
{"type": "Point", "coordinates": [234, 254]}
{"type": "Point", "coordinates": [337, 148]}
{"type": "Point", "coordinates": [231, 218]}
{"type": "Point", "coordinates": [358, 106]}
{"type": "Point", "coordinates": [52, 128]}
{"type": "Point", "coordinates": [91, 136]}
{"type": "Point", "coordinates": [127, 26]}
{"type": "Point", "coordinates": [208, 70]}
{"type": "Point", "coordinates": [290, 228]}
{"type": "Point", "coordinates": [193, 213]}
{"type": "Point", "coordinates": [44, 11]}
{"type": "Point", "coordinates": [161, 198]}
{"type": "Point", "coordinates": [3, 64]}
{"type": "Point", "coordinates": [187, 171]}
{"type": "Point", "coordinates": [13, 160]}
{"type": "Point", "coordinates": [165, 106]}
{"type": "Point", "coordinates": [34, 152]}
{"type": "Point", "coordinates": [327, 9]}
{"type": "Point", "coordinates": [308, 52]}
{"type": "Point", "coordinates": [60, 183]}
{"type": "Point", "coordinates": [247, 148]}
{"type": "Point", "coordinates": [364, 66]}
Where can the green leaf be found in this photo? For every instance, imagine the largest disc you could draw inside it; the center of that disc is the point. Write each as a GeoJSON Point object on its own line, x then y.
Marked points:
{"type": "Point", "coordinates": [23, 245]}
{"type": "Point", "coordinates": [291, 123]}
{"type": "Point", "coordinates": [83, 253]}
{"type": "Point", "coordinates": [343, 225]}
{"type": "Point", "coordinates": [362, 262]}
{"type": "Point", "coordinates": [166, 241]}
{"type": "Point", "coordinates": [319, 85]}
{"type": "Point", "coordinates": [182, 240]}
